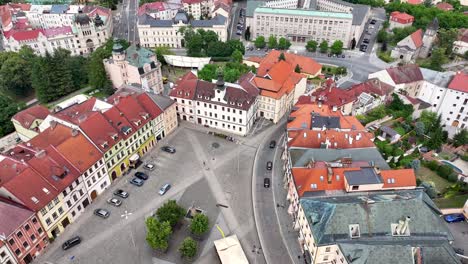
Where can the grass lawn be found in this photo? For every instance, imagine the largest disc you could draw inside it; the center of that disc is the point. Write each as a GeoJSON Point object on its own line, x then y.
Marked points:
{"type": "Point", "coordinates": [173, 73]}
{"type": "Point", "coordinates": [452, 202]}
{"type": "Point", "coordinates": [400, 130]}
{"type": "Point", "coordinates": [427, 175]}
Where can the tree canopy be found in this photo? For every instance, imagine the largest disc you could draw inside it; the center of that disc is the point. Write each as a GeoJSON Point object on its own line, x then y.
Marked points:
{"type": "Point", "coordinates": [461, 138]}
{"type": "Point", "coordinates": [188, 248]}
{"type": "Point", "coordinates": [337, 47]}
{"type": "Point", "coordinates": [200, 224]}
{"type": "Point", "coordinates": [170, 212]}
{"type": "Point", "coordinates": [260, 42]}
{"type": "Point", "coordinates": [232, 71]}
{"type": "Point", "coordinates": [311, 45]}
{"type": "Point", "coordinates": [9, 109]}
{"type": "Point", "coordinates": [158, 233]}
{"type": "Point", "coordinates": [323, 46]}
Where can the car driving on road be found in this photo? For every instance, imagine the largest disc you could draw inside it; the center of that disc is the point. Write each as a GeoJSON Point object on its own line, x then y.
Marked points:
{"type": "Point", "coordinates": [164, 189]}
{"type": "Point", "coordinates": [269, 165]}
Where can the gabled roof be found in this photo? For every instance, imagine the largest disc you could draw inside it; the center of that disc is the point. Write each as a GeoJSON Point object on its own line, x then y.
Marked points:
{"type": "Point", "coordinates": [417, 37]}
{"type": "Point", "coordinates": [398, 178]}
{"type": "Point", "coordinates": [308, 65]}
{"type": "Point", "coordinates": [405, 74]}
{"type": "Point", "coordinates": [401, 17]}
{"type": "Point", "coordinates": [120, 122]}
{"type": "Point", "coordinates": [130, 108]}
{"type": "Point", "coordinates": [459, 82]}
{"type": "Point", "coordinates": [444, 6]}
{"type": "Point", "coordinates": [149, 105]}
{"type": "Point", "coordinates": [331, 139]}
{"type": "Point", "coordinates": [100, 131]}
{"type": "Point", "coordinates": [29, 115]}
{"type": "Point", "coordinates": [13, 216]}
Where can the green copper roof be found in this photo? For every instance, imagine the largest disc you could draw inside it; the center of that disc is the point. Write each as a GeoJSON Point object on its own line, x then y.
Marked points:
{"type": "Point", "coordinates": [138, 56]}
{"type": "Point", "coordinates": [302, 12]}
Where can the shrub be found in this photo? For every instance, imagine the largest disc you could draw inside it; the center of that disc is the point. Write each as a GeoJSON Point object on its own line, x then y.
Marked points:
{"type": "Point", "coordinates": [188, 248]}
{"type": "Point", "coordinates": [170, 212]}
{"type": "Point", "coordinates": [200, 224]}
{"type": "Point", "coordinates": [432, 165]}
{"type": "Point", "coordinates": [445, 171]}
{"type": "Point", "coordinates": [452, 177]}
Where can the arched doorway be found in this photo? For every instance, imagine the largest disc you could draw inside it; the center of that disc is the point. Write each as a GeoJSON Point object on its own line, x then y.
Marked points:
{"type": "Point", "coordinates": [93, 195]}
{"type": "Point", "coordinates": [114, 175]}
{"type": "Point", "coordinates": [122, 167]}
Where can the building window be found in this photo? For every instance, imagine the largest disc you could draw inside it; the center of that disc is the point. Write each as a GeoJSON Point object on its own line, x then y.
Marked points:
{"type": "Point", "coordinates": [26, 227]}
{"type": "Point", "coordinates": [17, 252]}
{"type": "Point", "coordinates": [39, 230]}
{"type": "Point", "coordinates": [11, 241]}
{"type": "Point", "coordinates": [19, 234]}
{"type": "Point", "coordinates": [25, 244]}
{"type": "Point", "coordinates": [33, 237]}
{"type": "Point", "coordinates": [34, 220]}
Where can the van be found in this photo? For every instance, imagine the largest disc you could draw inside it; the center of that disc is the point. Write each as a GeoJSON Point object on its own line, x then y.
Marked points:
{"type": "Point", "coordinates": [71, 242]}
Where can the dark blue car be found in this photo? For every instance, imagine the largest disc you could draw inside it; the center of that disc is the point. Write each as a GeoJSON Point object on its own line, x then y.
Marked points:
{"type": "Point", "coordinates": [453, 218]}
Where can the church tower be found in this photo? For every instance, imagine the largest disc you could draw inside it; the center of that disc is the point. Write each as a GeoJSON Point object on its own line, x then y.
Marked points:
{"type": "Point", "coordinates": [429, 37]}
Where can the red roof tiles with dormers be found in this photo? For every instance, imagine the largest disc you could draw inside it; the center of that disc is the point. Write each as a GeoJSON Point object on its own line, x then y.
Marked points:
{"type": "Point", "coordinates": [305, 177]}
{"type": "Point", "coordinates": [100, 131]}
{"type": "Point", "coordinates": [10, 167]}
{"type": "Point", "coordinates": [314, 139]}
{"type": "Point", "coordinates": [308, 65]}
{"type": "Point", "coordinates": [402, 18]}
{"type": "Point", "coordinates": [29, 115]}
{"type": "Point", "coordinates": [78, 113]}
{"type": "Point", "coordinates": [459, 82]}
{"type": "Point", "coordinates": [13, 216]}
{"type": "Point", "coordinates": [185, 87]}
{"type": "Point", "coordinates": [29, 186]}
{"type": "Point", "coordinates": [401, 178]}
{"type": "Point", "coordinates": [148, 104]}
{"type": "Point", "coordinates": [131, 109]}
{"type": "Point", "coordinates": [53, 135]}
{"type": "Point", "coordinates": [151, 7]}
{"type": "Point", "coordinates": [119, 122]}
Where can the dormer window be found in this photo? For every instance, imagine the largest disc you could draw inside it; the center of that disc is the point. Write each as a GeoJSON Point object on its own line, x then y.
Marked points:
{"type": "Point", "coordinates": [313, 186]}
{"type": "Point", "coordinates": [45, 190]}
{"type": "Point", "coordinates": [137, 123]}
{"type": "Point", "coordinates": [187, 94]}
{"type": "Point", "coordinates": [104, 145]}
{"type": "Point", "coordinates": [239, 104]}
{"type": "Point", "coordinates": [35, 200]}
{"type": "Point", "coordinates": [391, 180]}
{"type": "Point", "coordinates": [207, 98]}
{"type": "Point", "coordinates": [115, 137]}
{"type": "Point", "coordinates": [179, 92]}
{"type": "Point", "coordinates": [145, 116]}
{"type": "Point", "coordinates": [232, 103]}
{"type": "Point", "coordinates": [200, 96]}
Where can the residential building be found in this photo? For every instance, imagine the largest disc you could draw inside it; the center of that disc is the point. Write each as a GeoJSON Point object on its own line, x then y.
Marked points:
{"type": "Point", "coordinates": [44, 28]}
{"type": "Point", "coordinates": [169, 116]}
{"type": "Point", "coordinates": [157, 32]}
{"type": "Point", "coordinates": [23, 234]}
{"type": "Point", "coordinates": [460, 46]}
{"type": "Point", "coordinates": [6, 256]}
{"type": "Point", "coordinates": [444, 6]}
{"type": "Point", "coordinates": [160, 10]}
{"type": "Point", "coordinates": [355, 100]}
{"type": "Point", "coordinates": [454, 106]}
{"type": "Point", "coordinates": [230, 107]}
{"type": "Point", "coordinates": [199, 9]}
{"type": "Point", "coordinates": [408, 78]}
{"type": "Point", "coordinates": [27, 122]}
{"type": "Point", "coordinates": [376, 227]}
{"type": "Point", "coordinates": [135, 66]}
{"type": "Point", "coordinates": [418, 44]}
{"type": "Point", "coordinates": [300, 26]}
{"type": "Point", "coordinates": [280, 86]}
{"type": "Point", "coordinates": [400, 20]}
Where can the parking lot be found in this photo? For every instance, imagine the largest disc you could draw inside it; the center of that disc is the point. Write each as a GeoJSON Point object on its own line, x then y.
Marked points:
{"type": "Point", "coordinates": [369, 36]}
{"type": "Point", "coordinates": [200, 174]}
{"type": "Point", "coordinates": [460, 233]}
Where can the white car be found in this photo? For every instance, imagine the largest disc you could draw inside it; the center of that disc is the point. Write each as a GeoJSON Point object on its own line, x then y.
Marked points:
{"type": "Point", "coordinates": [114, 201]}
{"type": "Point", "coordinates": [149, 166]}
{"type": "Point", "coordinates": [164, 189]}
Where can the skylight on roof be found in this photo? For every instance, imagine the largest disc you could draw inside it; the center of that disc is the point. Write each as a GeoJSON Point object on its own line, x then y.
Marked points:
{"type": "Point", "coordinates": [45, 190]}
{"type": "Point", "coordinates": [35, 200]}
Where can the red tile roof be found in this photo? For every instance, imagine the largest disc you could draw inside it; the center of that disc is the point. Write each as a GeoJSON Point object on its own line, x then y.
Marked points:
{"type": "Point", "coordinates": [417, 38]}
{"type": "Point", "coordinates": [402, 18]}
{"type": "Point", "coordinates": [151, 7]}
{"type": "Point", "coordinates": [130, 108]}
{"type": "Point", "coordinates": [149, 105]}
{"type": "Point", "coordinates": [305, 177]}
{"type": "Point", "coordinates": [77, 113]}
{"type": "Point", "coordinates": [13, 216]}
{"type": "Point", "coordinates": [405, 74]}
{"type": "Point", "coordinates": [29, 115]}
{"type": "Point", "coordinates": [54, 135]}
{"type": "Point", "coordinates": [333, 139]}
{"type": "Point", "coordinates": [185, 87]}
{"type": "Point", "coordinates": [308, 65]}
{"type": "Point", "coordinates": [444, 6]}
{"type": "Point", "coordinates": [100, 131]}
{"type": "Point", "coordinates": [401, 178]}
{"type": "Point", "coordinates": [10, 167]}
{"type": "Point", "coordinates": [23, 35]}
{"type": "Point", "coordinates": [119, 122]}
{"type": "Point", "coordinates": [463, 35]}
{"type": "Point", "coordinates": [254, 59]}
{"type": "Point", "coordinates": [459, 82]}
{"type": "Point", "coordinates": [415, 2]}
{"type": "Point", "coordinates": [52, 32]}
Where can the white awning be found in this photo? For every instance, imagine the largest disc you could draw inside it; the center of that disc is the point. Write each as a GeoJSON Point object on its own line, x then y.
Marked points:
{"type": "Point", "coordinates": [290, 209]}
{"type": "Point", "coordinates": [134, 157]}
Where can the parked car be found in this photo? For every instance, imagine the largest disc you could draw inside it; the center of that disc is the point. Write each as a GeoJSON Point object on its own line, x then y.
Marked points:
{"type": "Point", "coordinates": [373, 21]}
{"type": "Point", "coordinates": [102, 213]}
{"type": "Point", "coordinates": [137, 182]}
{"type": "Point", "coordinates": [149, 166]}
{"type": "Point", "coordinates": [363, 48]}
{"type": "Point", "coordinates": [269, 165]}
{"type": "Point", "coordinates": [141, 175]}
{"type": "Point", "coordinates": [453, 218]}
{"type": "Point", "coordinates": [272, 144]}
{"type": "Point", "coordinates": [121, 193]}
{"type": "Point", "coordinates": [164, 189]}
{"type": "Point", "coordinates": [240, 27]}
{"type": "Point", "coordinates": [114, 201]}
{"type": "Point", "coordinates": [266, 182]}
{"type": "Point", "coordinates": [239, 32]}
{"type": "Point", "coordinates": [71, 242]}
{"type": "Point", "coordinates": [169, 149]}
{"type": "Point", "coordinates": [366, 41]}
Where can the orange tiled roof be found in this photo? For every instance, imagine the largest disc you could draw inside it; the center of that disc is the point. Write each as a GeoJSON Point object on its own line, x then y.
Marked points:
{"type": "Point", "coordinates": [305, 177]}
{"type": "Point", "coordinates": [402, 178]}
{"type": "Point", "coordinates": [308, 65]}
{"type": "Point", "coordinates": [334, 139]}
{"type": "Point", "coordinates": [27, 116]}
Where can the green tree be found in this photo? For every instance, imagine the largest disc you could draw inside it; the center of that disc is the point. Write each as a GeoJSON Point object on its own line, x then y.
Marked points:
{"type": "Point", "coordinates": [260, 42]}
{"type": "Point", "coordinates": [161, 51]}
{"type": "Point", "coordinates": [218, 49]}
{"type": "Point", "coordinates": [436, 135]}
{"type": "Point", "coordinates": [195, 46]}
{"type": "Point", "coordinates": [170, 212]}
{"type": "Point", "coordinates": [231, 75]}
{"type": "Point", "coordinates": [419, 128]}
{"type": "Point", "coordinates": [272, 42]}
{"type": "Point", "coordinates": [208, 72]}
{"type": "Point", "coordinates": [281, 57]}
{"type": "Point", "coordinates": [461, 138]}
{"type": "Point", "coordinates": [382, 36]}
{"type": "Point", "coordinates": [15, 76]}
{"type": "Point", "coordinates": [438, 58]}
{"type": "Point", "coordinates": [9, 109]}
{"type": "Point", "coordinates": [429, 120]}
{"type": "Point", "coordinates": [337, 47]}
{"type": "Point", "coordinates": [445, 39]}
{"type": "Point", "coordinates": [237, 56]}
{"type": "Point", "coordinates": [97, 74]}
{"type": "Point", "coordinates": [235, 44]}
{"type": "Point", "coordinates": [200, 224]}
{"type": "Point", "coordinates": [311, 45]}
{"type": "Point", "coordinates": [298, 68]}
{"type": "Point", "coordinates": [283, 44]}
{"type": "Point", "coordinates": [323, 46]}
{"type": "Point", "coordinates": [158, 233]}
{"type": "Point", "coordinates": [188, 248]}
{"type": "Point", "coordinates": [416, 164]}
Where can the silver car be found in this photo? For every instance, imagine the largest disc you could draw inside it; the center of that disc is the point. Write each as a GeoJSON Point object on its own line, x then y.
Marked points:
{"type": "Point", "coordinates": [164, 189]}
{"type": "Point", "coordinates": [102, 213]}
{"type": "Point", "coordinates": [149, 166]}
{"type": "Point", "coordinates": [114, 201]}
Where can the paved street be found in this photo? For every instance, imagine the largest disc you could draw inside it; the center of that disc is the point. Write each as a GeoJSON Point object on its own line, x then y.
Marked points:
{"type": "Point", "coordinates": [125, 21]}
{"type": "Point", "coordinates": [225, 179]}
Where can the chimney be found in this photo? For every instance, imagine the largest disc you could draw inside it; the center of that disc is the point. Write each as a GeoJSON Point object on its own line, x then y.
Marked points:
{"type": "Point", "coordinates": [350, 140]}
{"type": "Point", "coordinates": [318, 135]}
{"type": "Point", "coordinates": [358, 136]}
{"type": "Point", "coordinates": [346, 135]}
{"type": "Point", "coordinates": [336, 144]}
{"type": "Point", "coordinates": [320, 104]}
{"type": "Point", "coordinates": [74, 132]}
{"type": "Point", "coordinates": [305, 134]}
{"type": "Point", "coordinates": [53, 124]}
{"type": "Point", "coordinates": [405, 225]}
{"type": "Point", "coordinates": [330, 175]}
{"type": "Point", "coordinates": [324, 128]}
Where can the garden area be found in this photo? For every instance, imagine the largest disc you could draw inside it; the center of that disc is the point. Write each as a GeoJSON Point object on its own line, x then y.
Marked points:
{"type": "Point", "coordinates": [420, 146]}
{"type": "Point", "coordinates": [176, 233]}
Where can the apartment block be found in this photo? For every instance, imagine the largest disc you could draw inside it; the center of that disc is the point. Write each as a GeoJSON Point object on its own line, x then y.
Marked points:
{"type": "Point", "coordinates": [135, 66]}
{"type": "Point", "coordinates": [301, 25]}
